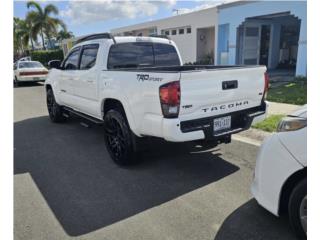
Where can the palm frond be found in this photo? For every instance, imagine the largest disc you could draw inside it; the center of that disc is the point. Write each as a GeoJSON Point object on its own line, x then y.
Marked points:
{"type": "Point", "coordinates": [50, 8]}
{"type": "Point", "coordinates": [35, 5]}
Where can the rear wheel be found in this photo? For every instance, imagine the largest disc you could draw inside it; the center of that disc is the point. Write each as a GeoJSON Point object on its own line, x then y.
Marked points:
{"type": "Point", "coordinates": [119, 140]}
{"type": "Point", "coordinates": [298, 209]}
{"type": "Point", "coordinates": [54, 109]}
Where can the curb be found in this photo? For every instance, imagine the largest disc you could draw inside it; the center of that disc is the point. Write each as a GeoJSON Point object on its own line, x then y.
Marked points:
{"type": "Point", "coordinates": [247, 140]}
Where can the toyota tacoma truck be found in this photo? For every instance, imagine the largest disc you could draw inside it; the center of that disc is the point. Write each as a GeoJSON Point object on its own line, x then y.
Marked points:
{"type": "Point", "coordinates": [137, 87]}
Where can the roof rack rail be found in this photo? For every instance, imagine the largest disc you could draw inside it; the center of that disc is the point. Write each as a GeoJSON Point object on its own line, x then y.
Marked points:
{"type": "Point", "coordinates": [159, 36]}
{"type": "Point", "coordinates": [96, 36]}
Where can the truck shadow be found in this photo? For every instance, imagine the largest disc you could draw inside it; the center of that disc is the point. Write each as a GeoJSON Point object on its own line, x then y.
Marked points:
{"type": "Point", "coordinates": [87, 191]}
{"type": "Point", "coordinates": [251, 222]}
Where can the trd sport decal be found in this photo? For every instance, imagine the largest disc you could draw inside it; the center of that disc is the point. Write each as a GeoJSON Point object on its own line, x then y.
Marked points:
{"type": "Point", "coordinates": [146, 77]}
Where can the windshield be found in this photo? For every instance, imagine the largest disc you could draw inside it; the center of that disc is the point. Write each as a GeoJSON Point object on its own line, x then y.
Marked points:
{"type": "Point", "coordinates": [30, 65]}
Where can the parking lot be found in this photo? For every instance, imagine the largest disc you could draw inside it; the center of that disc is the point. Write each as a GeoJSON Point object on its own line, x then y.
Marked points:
{"type": "Point", "coordinates": [66, 186]}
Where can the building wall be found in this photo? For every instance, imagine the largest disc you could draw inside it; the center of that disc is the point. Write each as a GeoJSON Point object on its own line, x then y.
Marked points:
{"type": "Point", "coordinates": [234, 15]}
{"type": "Point", "coordinates": [186, 42]}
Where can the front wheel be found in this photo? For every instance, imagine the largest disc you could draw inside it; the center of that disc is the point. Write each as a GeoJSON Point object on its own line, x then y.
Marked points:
{"type": "Point", "coordinates": [298, 209]}
{"type": "Point", "coordinates": [119, 140]}
{"type": "Point", "coordinates": [15, 81]}
{"type": "Point", "coordinates": [54, 109]}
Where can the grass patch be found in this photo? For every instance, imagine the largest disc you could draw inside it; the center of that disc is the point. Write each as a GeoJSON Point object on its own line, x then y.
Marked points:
{"type": "Point", "coordinates": [269, 124]}
{"type": "Point", "coordinates": [292, 93]}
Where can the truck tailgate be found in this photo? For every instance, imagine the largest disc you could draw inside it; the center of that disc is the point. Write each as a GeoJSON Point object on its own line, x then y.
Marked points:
{"type": "Point", "coordinates": [206, 93]}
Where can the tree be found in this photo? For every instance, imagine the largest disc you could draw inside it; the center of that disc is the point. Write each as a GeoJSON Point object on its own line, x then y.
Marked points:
{"type": "Point", "coordinates": [22, 34]}
{"type": "Point", "coordinates": [42, 22]}
{"type": "Point", "coordinates": [62, 34]}
{"type": "Point", "coordinates": [16, 36]}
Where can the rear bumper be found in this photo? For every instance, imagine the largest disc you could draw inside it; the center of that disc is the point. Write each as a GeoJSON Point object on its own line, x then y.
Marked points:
{"type": "Point", "coordinates": [31, 78]}
{"type": "Point", "coordinates": [176, 131]}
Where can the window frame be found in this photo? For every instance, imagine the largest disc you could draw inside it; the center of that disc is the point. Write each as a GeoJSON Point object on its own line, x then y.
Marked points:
{"type": "Point", "coordinates": [67, 57]}
{"type": "Point", "coordinates": [139, 43]}
{"type": "Point", "coordinates": [181, 31]}
{"type": "Point", "coordinates": [88, 46]}
{"type": "Point", "coordinates": [175, 32]}
{"type": "Point", "coordinates": [188, 28]}
{"type": "Point", "coordinates": [142, 43]}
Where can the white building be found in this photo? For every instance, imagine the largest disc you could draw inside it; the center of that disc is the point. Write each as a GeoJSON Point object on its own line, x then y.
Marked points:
{"type": "Point", "coordinates": [272, 33]}
{"type": "Point", "coordinates": [194, 33]}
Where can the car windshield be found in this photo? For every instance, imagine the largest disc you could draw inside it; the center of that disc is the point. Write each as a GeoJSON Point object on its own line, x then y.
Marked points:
{"type": "Point", "coordinates": [30, 65]}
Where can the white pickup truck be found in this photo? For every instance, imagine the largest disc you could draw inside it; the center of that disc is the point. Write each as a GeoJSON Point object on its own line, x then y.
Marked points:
{"type": "Point", "coordinates": [137, 87]}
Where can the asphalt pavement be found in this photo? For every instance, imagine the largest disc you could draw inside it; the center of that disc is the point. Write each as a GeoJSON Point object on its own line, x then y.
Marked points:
{"type": "Point", "coordinates": [67, 187]}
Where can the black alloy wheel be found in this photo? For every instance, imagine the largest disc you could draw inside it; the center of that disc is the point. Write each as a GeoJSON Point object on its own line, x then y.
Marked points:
{"type": "Point", "coordinates": [119, 139]}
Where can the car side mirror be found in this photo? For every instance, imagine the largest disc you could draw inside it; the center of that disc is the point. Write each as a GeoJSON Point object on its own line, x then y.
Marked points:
{"type": "Point", "coordinates": [54, 64]}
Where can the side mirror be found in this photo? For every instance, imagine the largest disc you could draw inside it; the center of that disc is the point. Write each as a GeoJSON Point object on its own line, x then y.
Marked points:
{"type": "Point", "coordinates": [54, 64]}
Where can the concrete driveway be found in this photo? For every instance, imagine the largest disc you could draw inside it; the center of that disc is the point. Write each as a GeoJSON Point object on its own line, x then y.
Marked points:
{"type": "Point", "coordinates": [66, 186]}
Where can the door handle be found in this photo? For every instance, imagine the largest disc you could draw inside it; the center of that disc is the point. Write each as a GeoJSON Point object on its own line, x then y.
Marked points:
{"type": "Point", "coordinates": [62, 90]}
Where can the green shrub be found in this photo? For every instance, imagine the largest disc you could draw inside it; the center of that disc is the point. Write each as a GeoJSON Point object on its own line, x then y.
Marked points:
{"type": "Point", "coordinates": [270, 123]}
{"type": "Point", "coordinates": [45, 56]}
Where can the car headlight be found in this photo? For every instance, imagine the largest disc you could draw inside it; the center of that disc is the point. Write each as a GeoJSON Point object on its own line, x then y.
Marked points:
{"type": "Point", "coordinates": [291, 124]}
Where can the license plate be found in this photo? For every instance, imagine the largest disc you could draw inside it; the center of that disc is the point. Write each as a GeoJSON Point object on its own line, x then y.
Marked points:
{"type": "Point", "coordinates": [36, 78]}
{"type": "Point", "coordinates": [221, 123]}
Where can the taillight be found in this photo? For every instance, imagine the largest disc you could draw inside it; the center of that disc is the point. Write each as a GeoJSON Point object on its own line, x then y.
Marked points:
{"type": "Point", "coordinates": [170, 99]}
{"type": "Point", "coordinates": [266, 84]}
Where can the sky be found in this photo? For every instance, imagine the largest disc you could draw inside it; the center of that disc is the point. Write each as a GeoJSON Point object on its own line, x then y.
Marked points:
{"type": "Point", "coordinates": [85, 17]}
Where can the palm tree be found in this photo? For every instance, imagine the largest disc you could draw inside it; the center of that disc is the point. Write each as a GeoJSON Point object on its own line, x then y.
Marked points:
{"type": "Point", "coordinates": [16, 35]}
{"type": "Point", "coordinates": [32, 36]}
{"type": "Point", "coordinates": [62, 34]}
{"type": "Point", "coordinates": [42, 22]}
{"type": "Point", "coordinates": [22, 34]}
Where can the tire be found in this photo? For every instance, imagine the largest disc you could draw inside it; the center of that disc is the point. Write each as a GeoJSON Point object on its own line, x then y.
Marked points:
{"type": "Point", "coordinates": [297, 208]}
{"type": "Point", "coordinates": [54, 109]}
{"type": "Point", "coordinates": [15, 81]}
{"type": "Point", "coordinates": [120, 141]}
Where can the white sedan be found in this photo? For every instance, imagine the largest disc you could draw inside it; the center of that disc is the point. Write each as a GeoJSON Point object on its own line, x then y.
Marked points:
{"type": "Point", "coordinates": [280, 180]}
{"type": "Point", "coordinates": [29, 71]}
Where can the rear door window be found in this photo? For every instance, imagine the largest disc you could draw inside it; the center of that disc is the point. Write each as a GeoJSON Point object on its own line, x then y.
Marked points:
{"type": "Point", "coordinates": [130, 55]}
{"type": "Point", "coordinates": [165, 55]}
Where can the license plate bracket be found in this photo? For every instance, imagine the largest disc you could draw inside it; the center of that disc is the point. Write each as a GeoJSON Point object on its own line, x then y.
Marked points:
{"type": "Point", "coordinates": [221, 124]}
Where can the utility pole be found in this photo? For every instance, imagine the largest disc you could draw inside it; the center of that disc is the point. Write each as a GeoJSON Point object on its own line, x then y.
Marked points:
{"type": "Point", "coordinates": [176, 10]}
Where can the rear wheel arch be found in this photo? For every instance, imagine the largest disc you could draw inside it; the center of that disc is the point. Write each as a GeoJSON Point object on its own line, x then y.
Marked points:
{"type": "Point", "coordinates": [288, 187]}
{"type": "Point", "coordinates": [112, 103]}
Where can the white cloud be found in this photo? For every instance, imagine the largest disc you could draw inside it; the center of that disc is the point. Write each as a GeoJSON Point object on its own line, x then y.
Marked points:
{"type": "Point", "coordinates": [80, 12]}
{"type": "Point", "coordinates": [203, 5]}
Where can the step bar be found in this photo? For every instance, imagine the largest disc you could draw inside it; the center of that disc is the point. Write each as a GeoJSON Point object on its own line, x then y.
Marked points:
{"type": "Point", "coordinates": [68, 111]}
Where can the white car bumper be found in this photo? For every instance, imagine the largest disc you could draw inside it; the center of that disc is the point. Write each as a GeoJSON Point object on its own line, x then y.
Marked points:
{"type": "Point", "coordinates": [273, 167]}
{"type": "Point", "coordinates": [31, 78]}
